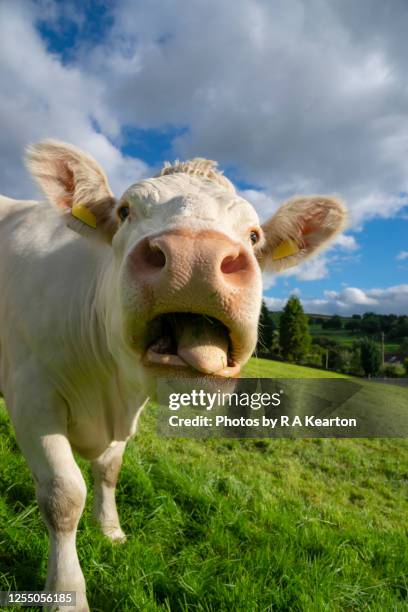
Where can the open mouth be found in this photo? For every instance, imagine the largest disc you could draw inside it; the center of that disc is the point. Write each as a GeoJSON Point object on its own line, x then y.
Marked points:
{"type": "Point", "coordinates": [194, 341]}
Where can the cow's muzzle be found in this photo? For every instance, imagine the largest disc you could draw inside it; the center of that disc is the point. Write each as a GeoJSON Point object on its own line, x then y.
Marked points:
{"type": "Point", "coordinates": [198, 294]}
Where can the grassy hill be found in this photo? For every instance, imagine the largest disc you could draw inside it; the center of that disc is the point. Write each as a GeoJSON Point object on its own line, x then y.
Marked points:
{"type": "Point", "coordinates": [345, 338]}
{"type": "Point", "coordinates": [254, 525]}
{"type": "Point", "coordinates": [265, 368]}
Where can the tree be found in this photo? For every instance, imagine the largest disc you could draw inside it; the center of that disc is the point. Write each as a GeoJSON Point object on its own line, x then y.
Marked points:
{"type": "Point", "coordinates": [294, 336]}
{"type": "Point", "coordinates": [340, 359]}
{"type": "Point", "coordinates": [370, 357]}
{"type": "Point", "coordinates": [353, 325]}
{"type": "Point", "coordinates": [316, 356]}
{"type": "Point", "coordinates": [370, 323]}
{"type": "Point", "coordinates": [275, 349]}
{"type": "Point", "coordinates": [403, 348]}
{"type": "Point", "coordinates": [265, 331]}
{"type": "Point", "coordinates": [406, 365]}
{"type": "Point", "coordinates": [316, 320]}
{"type": "Point", "coordinates": [387, 322]}
{"type": "Point", "coordinates": [325, 342]}
{"type": "Point", "coordinates": [355, 363]}
{"type": "Point", "coordinates": [390, 371]}
{"type": "Point", "coordinates": [399, 328]}
{"type": "Point", "coordinates": [334, 322]}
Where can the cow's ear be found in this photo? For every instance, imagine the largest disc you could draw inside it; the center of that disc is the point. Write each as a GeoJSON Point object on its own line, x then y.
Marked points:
{"type": "Point", "coordinates": [301, 227]}
{"type": "Point", "coordinates": [76, 183]}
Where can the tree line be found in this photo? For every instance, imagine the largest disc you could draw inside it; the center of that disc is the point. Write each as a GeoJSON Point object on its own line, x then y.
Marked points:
{"type": "Point", "coordinates": [392, 326]}
{"type": "Point", "coordinates": [291, 340]}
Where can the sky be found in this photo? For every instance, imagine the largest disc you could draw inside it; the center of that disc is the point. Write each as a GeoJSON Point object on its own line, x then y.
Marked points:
{"type": "Point", "coordinates": [290, 97]}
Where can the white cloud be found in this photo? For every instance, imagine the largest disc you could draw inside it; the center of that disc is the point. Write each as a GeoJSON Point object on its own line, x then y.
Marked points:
{"type": "Point", "coordinates": [381, 204]}
{"type": "Point", "coordinates": [402, 255]}
{"type": "Point", "coordinates": [353, 300]}
{"type": "Point", "coordinates": [301, 97]}
{"type": "Point", "coordinates": [265, 205]}
{"type": "Point", "coordinates": [319, 266]}
{"type": "Point", "coordinates": [351, 295]}
{"type": "Point", "coordinates": [311, 269]}
{"type": "Point", "coordinates": [269, 280]}
{"type": "Point", "coordinates": [348, 243]}
{"type": "Point", "coordinates": [297, 96]}
{"type": "Point", "coordinates": [44, 99]}
{"type": "Point", "coordinates": [274, 303]}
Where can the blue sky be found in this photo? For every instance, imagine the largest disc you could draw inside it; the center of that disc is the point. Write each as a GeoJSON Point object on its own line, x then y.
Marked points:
{"type": "Point", "coordinates": [373, 264]}
{"type": "Point", "coordinates": [288, 100]}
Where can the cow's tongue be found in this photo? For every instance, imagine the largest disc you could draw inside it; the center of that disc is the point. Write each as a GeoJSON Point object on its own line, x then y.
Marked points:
{"type": "Point", "coordinates": [202, 343]}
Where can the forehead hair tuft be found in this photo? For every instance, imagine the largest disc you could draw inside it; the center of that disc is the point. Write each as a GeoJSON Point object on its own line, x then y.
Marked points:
{"type": "Point", "coordinates": [200, 167]}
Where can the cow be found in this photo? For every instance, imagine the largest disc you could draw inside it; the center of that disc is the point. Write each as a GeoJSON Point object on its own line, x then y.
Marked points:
{"type": "Point", "coordinates": [100, 297]}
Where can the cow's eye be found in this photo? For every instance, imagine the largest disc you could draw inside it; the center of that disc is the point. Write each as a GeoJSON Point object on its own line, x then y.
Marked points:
{"type": "Point", "coordinates": [123, 212]}
{"type": "Point", "coordinates": [254, 237]}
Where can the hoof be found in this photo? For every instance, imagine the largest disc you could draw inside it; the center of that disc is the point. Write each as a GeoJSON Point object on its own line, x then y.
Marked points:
{"type": "Point", "coordinates": [115, 535]}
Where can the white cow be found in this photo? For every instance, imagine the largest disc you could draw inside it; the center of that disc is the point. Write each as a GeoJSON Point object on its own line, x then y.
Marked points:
{"type": "Point", "coordinates": [90, 319]}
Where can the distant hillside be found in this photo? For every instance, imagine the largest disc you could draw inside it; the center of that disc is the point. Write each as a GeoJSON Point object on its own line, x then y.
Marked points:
{"type": "Point", "coordinates": [343, 337]}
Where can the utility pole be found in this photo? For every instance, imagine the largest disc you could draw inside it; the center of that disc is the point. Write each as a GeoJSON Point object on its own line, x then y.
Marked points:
{"type": "Point", "coordinates": [382, 348]}
{"type": "Point", "coordinates": [327, 359]}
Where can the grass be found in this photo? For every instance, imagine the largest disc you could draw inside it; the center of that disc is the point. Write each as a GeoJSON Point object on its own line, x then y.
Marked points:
{"type": "Point", "coordinates": [231, 525]}
{"type": "Point", "coordinates": [265, 368]}
{"type": "Point", "coordinates": [346, 339]}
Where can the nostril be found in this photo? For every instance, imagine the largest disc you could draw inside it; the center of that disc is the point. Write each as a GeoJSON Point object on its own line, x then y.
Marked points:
{"type": "Point", "coordinates": [234, 263]}
{"type": "Point", "coordinates": [148, 257]}
{"type": "Point", "coordinates": [154, 256]}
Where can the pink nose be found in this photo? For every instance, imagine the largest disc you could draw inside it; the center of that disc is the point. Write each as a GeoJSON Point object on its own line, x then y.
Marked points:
{"type": "Point", "coordinates": [179, 256]}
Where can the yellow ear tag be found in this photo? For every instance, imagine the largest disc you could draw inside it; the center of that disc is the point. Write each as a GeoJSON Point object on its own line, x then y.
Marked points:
{"type": "Point", "coordinates": [81, 212]}
{"type": "Point", "coordinates": [285, 249]}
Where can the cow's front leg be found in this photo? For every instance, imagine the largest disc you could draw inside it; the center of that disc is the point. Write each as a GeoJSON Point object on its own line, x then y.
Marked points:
{"type": "Point", "coordinates": [61, 498]}
{"type": "Point", "coordinates": [61, 494]}
{"type": "Point", "coordinates": [105, 471]}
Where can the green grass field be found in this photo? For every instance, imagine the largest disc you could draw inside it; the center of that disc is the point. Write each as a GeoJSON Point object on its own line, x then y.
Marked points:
{"type": "Point", "coordinates": [232, 525]}
{"type": "Point", "coordinates": [346, 339]}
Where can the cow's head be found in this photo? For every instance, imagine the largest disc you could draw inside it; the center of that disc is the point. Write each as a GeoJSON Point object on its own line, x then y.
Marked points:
{"type": "Point", "coordinates": [188, 254]}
